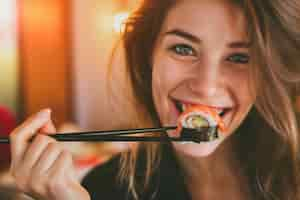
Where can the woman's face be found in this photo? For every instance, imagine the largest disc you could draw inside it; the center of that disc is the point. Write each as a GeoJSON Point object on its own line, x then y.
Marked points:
{"type": "Point", "coordinates": [202, 57]}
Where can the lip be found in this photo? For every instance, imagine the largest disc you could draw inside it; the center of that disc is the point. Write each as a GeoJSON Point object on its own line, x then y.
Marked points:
{"type": "Point", "coordinates": [214, 106]}
{"type": "Point", "coordinates": [217, 108]}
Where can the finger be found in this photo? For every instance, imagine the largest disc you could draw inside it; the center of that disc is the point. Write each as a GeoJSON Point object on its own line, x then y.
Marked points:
{"type": "Point", "coordinates": [59, 172]}
{"type": "Point", "coordinates": [49, 128]}
{"type": "Point", "coordinates": [37, 180]}
{"type": "Point", "coordinates": [34, 152]}
{"type": "Point", "coordinates": [47, 159]}
{"type": "Point", "coordinates": [20, 136]}
{"type": "Point", "coordinates": [63, 164]}
{"type": "Point", "coordinates": [63, 182]}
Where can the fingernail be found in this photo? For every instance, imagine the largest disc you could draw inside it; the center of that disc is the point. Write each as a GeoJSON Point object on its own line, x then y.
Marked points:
{"type": "Point", "coordinates": [45, 113]}
{"type": "Point", "coordinates": [48, 110]}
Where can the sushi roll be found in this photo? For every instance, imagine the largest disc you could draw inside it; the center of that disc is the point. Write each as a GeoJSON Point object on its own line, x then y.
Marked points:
{"type": "Point", "coordinates": [201, 122]}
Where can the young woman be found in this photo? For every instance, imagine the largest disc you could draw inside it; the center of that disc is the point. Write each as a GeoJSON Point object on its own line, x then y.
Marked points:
{"type": "Point", "coordinates": [235, 56]}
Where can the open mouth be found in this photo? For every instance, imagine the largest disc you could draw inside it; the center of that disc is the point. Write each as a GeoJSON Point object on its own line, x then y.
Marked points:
{"type": "Point", "coordinates": [203, 125]}
{"type": "Point", "coordinates": [205, 122]}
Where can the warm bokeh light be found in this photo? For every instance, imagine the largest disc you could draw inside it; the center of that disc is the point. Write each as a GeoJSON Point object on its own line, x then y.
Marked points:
{"type": "Point", "coordinates": [8, 54]}
{"type": "Point", "coordinates": [7, 14]}
{"type": "Point", "coordinates": [7, 23]}
{"type": "Point", "coordinates": [119, 20]}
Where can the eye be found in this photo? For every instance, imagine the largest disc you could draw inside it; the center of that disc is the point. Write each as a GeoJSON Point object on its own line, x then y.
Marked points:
{"type": "Point", "coordinates": [240, 58]}
{"type": "Point", "coordinates": [183, 50]}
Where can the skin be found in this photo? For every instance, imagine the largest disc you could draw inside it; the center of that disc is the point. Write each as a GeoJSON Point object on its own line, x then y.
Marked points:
{"type": "Point", "coordinates": [202, 57]}
{"type": "Point", "coordinates": [206, 71]}
{"type": "Point", "coordinates": [42, 168]}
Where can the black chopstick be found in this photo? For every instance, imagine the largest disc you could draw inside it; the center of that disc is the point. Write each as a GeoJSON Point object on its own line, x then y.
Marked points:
{"type": "Point", "coordinates": [112, 136]}
{"type": "Point", "coordinates": [187, 135]}
{"type": "Point", "coordinates": [118, 132]}
{"type": "Point", "coordinates": [114, 139]}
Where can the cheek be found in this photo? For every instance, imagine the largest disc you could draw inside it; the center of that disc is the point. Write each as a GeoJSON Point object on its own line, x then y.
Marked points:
{"type": "Point", "coordinates": [160, 92]}
{"type": "Point", "coordinates": [246, 102]}
{"type": "Point", "coordinates": [165, 77]}
{"type": "Point", "coordinates": [243, 92]}
{"type": "Point", "coordinates": [238, 81]}
{"type": "Point", "coordinates": [243, 97]}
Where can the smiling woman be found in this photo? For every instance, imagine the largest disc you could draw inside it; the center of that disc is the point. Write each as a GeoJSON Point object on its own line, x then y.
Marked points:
{"type": "Point", "coordinates": [194, 64]}
{"type": "Point", "coordinates": [239, 57]}
{"type": "Point", "coordinates": [230, 63]}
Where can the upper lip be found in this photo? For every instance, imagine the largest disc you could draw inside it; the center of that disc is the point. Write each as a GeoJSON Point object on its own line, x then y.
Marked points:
{"type": "Point", "coordinates": [214, 106]}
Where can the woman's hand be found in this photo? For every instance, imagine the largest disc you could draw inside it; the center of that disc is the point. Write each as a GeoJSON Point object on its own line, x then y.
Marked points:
{"type": "Point", "coordinates": [42, 168]}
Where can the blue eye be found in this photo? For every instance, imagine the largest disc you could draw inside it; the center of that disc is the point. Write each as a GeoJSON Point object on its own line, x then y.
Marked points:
{"type": "Point", "coordinates": [239, 58]}
{"type": "Point", "coordinates": [183, 50]}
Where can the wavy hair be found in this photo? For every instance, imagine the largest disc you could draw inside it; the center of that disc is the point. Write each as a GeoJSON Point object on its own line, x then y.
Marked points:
{"type": "Point", "coordinates": [270, 152]}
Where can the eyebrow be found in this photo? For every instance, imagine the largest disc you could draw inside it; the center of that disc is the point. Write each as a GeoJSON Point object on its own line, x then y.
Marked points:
{"type": "Point", "coordinates": [239, 44]}
{"type": "Point", "coordinates": [193, 38]}
{"type": "Point", "coordinates": [184, 34]}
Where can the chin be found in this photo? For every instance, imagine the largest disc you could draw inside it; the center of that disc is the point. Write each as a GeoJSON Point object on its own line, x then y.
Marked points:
{"type": "Point", "coordinates": [203, 149]}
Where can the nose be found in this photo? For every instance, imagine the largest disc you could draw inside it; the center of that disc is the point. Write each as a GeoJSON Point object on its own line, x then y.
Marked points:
{"type": "Point", "coordinates": [206, 80]}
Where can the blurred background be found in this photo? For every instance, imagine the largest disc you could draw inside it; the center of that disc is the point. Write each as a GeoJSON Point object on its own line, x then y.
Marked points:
{"type": "Point", "coordinates": [54, 54]}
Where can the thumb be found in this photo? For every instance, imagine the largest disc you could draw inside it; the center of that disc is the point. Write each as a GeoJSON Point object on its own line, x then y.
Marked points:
{"type": "Point", "coordinates": [48, 128]}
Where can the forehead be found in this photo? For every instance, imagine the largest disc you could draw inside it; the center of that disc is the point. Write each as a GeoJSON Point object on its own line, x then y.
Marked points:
{"type": "Point", "coordinates": [202, 18]}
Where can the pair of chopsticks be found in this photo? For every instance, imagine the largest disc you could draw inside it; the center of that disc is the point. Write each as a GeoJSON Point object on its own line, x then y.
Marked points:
{"type": "Point", "coordinates": [122, 136]}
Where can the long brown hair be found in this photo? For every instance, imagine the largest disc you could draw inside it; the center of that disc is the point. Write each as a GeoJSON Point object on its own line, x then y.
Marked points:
{"type": "Point", "coordinates": [270, 152]}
